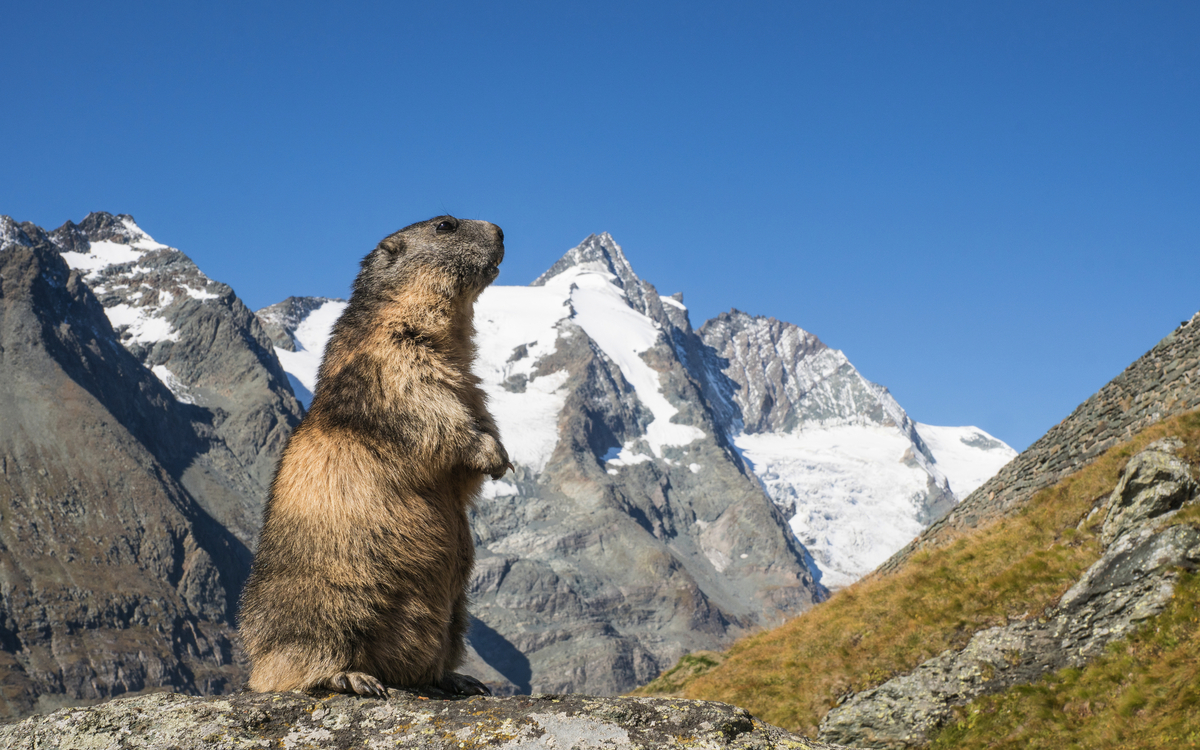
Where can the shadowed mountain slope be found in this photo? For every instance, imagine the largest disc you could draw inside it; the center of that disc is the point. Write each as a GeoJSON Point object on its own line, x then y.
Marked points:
{"type": "Point", "coordinates": [113, 578]}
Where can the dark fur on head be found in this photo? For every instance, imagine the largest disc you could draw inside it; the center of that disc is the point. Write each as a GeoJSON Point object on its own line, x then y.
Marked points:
{"type": "Point", "coordinates": [466, 253]}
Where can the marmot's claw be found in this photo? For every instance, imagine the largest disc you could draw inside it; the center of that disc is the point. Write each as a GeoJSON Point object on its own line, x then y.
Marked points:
{"type": "Point", "coordinates": [357, 682]}
{"type": "Point", "coordinates": [462, 684]}
{"type": "Point", "coordinates": [503, 469]}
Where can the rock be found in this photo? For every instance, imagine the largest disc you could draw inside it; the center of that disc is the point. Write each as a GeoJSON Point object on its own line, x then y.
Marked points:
{"type": "Point", "coordinates": [1132, 581]}
{"type": "Point", "coordinates": [1155, 481]}
{"type": "Point", "coordinates": [404, 719]}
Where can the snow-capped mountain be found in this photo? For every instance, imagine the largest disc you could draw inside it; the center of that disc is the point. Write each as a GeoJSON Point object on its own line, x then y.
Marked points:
{"type": "Point", "coordinates": [145, 399]}
{"type": "Point", "coordinates": [205, 345]}
{"type": "Point", "coordinates": [856, 477]}
{"type": "Point", "coordinates": [854, 474]}
{"type": "Point", "coordinates": [606, 398]}
{"type": "Point", "coordinates": [630, 532]}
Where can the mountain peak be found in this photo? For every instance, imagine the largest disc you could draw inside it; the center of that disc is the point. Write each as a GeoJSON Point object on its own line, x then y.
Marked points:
{"type": "Point", "coordinates": [100, 226]}
{"type": "Point", "coordinates": [11, 233]}
{"type": "Point", "coordinates": [598, 252]}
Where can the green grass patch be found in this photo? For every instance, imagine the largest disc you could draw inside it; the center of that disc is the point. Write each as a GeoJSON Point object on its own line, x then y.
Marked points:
{"type": "Point", "coordinates": [1014, 568]}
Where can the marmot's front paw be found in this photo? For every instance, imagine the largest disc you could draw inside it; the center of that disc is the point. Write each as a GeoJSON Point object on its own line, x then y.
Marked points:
{"type": "Point", "coordinates": [490, 458]}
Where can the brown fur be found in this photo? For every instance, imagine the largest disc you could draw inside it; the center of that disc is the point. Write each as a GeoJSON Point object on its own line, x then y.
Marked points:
{"type": "Point", "coordinates": [363, 561]}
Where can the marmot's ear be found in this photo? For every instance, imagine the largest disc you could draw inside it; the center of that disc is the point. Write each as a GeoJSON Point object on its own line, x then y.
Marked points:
{"type": "Point", "coordinates": [394, 245]}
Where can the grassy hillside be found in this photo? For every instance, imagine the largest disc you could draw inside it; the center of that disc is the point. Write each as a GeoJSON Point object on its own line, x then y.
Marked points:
{"type": "Point", "coordinates": [886, 625]}
{"type": "Point", "coordinates": [1144, 693]}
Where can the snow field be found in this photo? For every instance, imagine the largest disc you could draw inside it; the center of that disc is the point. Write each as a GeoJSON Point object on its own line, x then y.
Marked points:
{"type": "Point", "coordinates": [507, 317]}
{"type": "Point", "coordinates": [856, 502]}
{"type": "Point", "coordinates": [966, 466]}
{"type": "Point", "coordinates": [310, 338]}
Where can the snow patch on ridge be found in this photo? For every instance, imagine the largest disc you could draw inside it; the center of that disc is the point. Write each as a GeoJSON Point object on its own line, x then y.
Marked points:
{"type": "Point", "coordinates": [602, 311]}
{"type": "Point", "coordinates": [138, 238]}
{"type": "Point", "coordinates": [101, 255]}
{"type": "Point", "coordinates": [177, 388]}
{"type": "Point", "coordinates": [310, 338]}
{"type": "Point", "coordinates": [140, 325]}
{"type": "Point", "coordinates": [516, 327]}
{"type": "Point", "coordinates": [968, 456]}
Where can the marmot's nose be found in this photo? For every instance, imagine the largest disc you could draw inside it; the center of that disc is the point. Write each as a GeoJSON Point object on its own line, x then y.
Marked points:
{"type": "Point", "coordinates": [499, 234]}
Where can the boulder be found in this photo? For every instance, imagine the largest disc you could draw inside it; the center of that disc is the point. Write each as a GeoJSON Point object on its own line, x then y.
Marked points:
{"type": "Point", "coordinates": [1155, 481]}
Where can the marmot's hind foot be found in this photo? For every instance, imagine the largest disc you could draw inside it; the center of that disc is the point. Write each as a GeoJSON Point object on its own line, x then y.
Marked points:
{"type": "Point", "coordinates": [357, 682]}
{"type": "Point", "coordinates": [462, 684]}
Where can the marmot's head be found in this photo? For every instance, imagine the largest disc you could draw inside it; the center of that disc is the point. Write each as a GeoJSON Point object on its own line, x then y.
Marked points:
{"type": "Point", "coordinates": [452, 258]}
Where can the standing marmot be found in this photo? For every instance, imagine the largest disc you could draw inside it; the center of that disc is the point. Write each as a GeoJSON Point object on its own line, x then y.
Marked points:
{"type": "Point", "coordinates": [361, 571]}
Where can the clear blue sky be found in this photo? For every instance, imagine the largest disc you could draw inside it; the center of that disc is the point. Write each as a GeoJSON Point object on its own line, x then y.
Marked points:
{"type": "Point", "coordinates": [992, 208]}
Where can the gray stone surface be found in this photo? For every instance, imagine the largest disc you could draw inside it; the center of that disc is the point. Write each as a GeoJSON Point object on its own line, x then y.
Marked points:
{"type": "Point", "coordinates": [1162, 383]}
{"type": "Point", "coordinates": [1154, 482]}
{"type": "Point", "coordinates": [404, 719]}
{"type": "Point", "coordinates": [1132, 581]}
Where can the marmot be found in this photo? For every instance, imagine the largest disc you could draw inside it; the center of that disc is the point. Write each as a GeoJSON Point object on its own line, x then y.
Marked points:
{"type": "Point", "coordinates": [360, 577]}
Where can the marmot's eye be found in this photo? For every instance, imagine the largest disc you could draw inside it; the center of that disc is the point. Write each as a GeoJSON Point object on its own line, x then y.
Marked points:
{"type": "Point", "coordinates": [444, 227]}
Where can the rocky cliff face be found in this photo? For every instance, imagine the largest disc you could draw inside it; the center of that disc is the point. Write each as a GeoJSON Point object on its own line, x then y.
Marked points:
{"type": "Point", "coordinates": [113, 578]}
{"type": "Point", "coordinates": [1133, 581]}
{"type": "Point", "coordinates": [198, 338]}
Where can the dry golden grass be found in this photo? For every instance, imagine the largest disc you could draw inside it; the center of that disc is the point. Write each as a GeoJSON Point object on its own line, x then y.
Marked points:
{"type": "Point", "coordinates": [882, 626]}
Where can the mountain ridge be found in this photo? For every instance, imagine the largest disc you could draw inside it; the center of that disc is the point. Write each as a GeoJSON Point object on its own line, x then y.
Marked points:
{"type": "Point", "coordinates": [634, 529]}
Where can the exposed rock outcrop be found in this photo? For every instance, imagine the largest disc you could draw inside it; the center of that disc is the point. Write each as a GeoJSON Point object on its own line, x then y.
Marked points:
{"type": "Point", "coordinates": [405, 719]}
{"type": "Point", "coordinates": [1132, 581]}
{"type": "Point", "coordinates": [1154, 482]}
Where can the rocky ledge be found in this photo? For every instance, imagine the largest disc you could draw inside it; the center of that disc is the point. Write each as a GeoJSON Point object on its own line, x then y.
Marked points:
{"type": "Point", "coordinates": [404, 719]}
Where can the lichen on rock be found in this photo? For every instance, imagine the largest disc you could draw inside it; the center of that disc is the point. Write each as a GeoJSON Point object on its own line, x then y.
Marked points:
{"type": "Point", "coordinates": [407, 719]}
